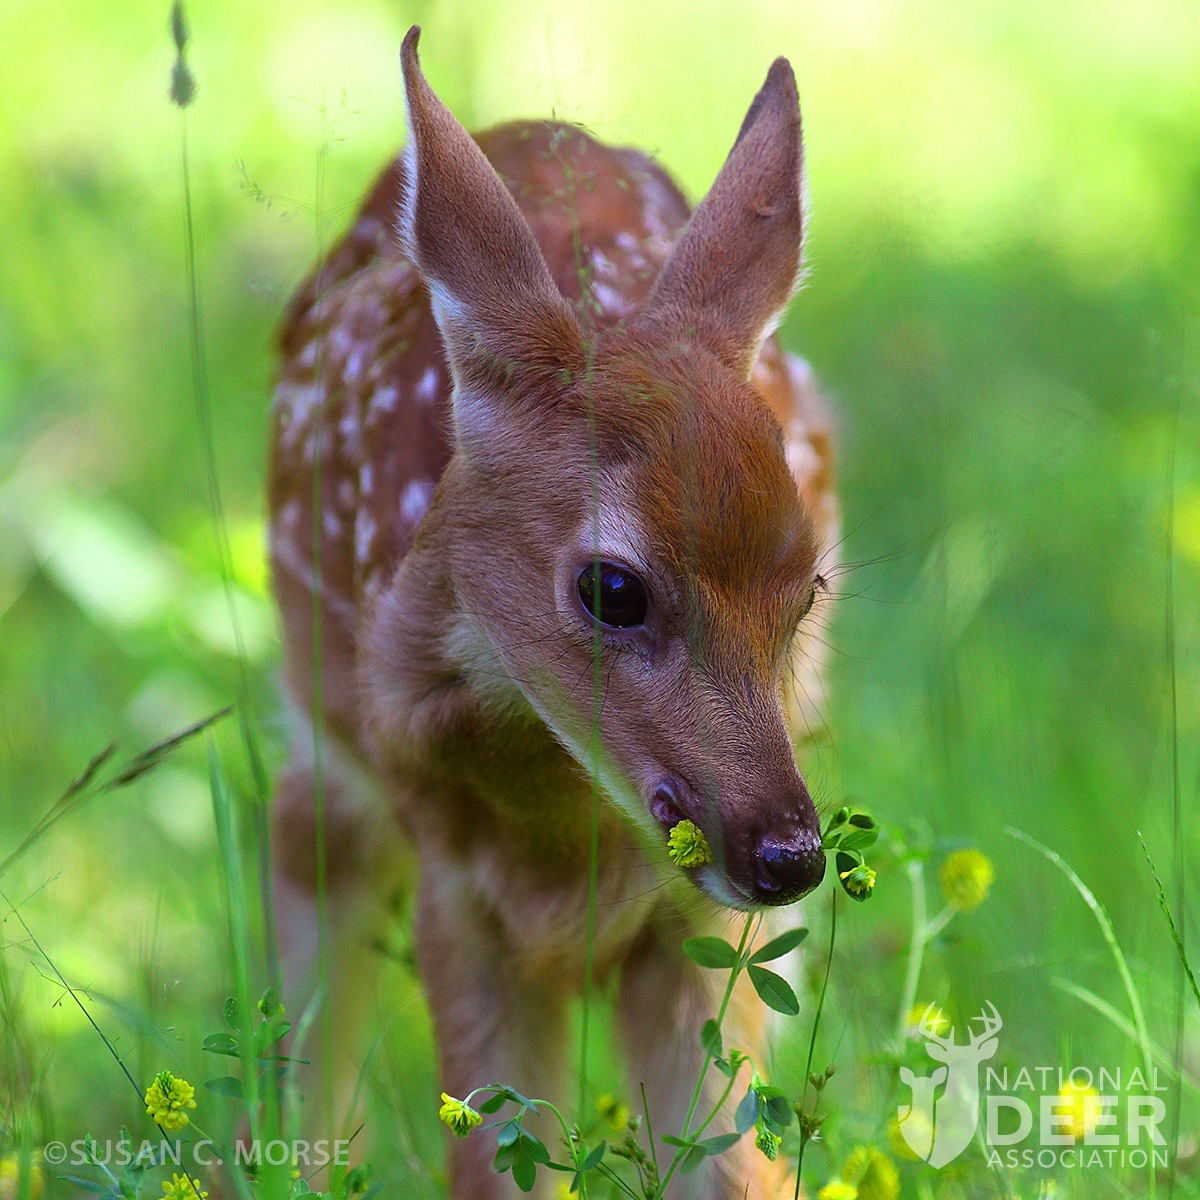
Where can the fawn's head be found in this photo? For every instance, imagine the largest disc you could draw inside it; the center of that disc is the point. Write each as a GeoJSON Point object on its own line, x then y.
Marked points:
{"type": "Point", "coordinates": [624, 536]}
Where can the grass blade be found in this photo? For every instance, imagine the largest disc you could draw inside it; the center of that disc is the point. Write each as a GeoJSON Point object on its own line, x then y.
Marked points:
{"type": "Point", "coordinates": [1166, 911]}
{"type": "Point", "coordinates": [1110, 936]}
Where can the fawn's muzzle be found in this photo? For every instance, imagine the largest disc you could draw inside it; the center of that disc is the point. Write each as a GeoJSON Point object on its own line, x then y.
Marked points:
{"type": "Point", "coordinates": [771, 866]}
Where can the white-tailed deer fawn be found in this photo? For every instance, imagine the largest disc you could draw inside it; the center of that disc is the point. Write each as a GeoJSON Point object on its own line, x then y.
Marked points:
{"type": "Point", "coordinates": [522, 361]}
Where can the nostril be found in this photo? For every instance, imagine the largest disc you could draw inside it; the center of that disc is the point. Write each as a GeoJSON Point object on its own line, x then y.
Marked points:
{"type": "Point", "coordinates": [664, 806]}
{"type": "Point", "coordinates": [786, 870]}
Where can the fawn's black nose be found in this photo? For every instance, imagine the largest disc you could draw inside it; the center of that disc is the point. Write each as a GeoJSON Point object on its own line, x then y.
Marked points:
{"type": "Point", "coordinates": [787, 869]}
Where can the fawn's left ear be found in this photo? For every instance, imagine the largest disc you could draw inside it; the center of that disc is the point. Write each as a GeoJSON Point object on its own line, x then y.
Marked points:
{"type": "Point", "coordinates": [501, 316]}
{"type": "Point", "coordinates": [737, 264]}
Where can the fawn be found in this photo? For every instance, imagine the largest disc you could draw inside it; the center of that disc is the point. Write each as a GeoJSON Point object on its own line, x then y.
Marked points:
{"type": "Point", "coordinates": [564, 480]}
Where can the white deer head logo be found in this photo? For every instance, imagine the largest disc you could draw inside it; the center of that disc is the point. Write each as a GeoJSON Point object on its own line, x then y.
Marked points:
{"type": "Point", "coordinates": [937, 1129]}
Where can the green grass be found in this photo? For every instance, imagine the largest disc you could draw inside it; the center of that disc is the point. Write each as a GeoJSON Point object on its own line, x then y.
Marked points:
{"type": "Point", "coordinates": [1003, 306]}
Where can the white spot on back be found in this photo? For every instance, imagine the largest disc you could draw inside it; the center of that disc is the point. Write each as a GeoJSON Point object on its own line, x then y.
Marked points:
{"type": "Point", "coordinates": [384, 399]}
{"type": "Point", "coordinates": [364, 535]}
{"type": "Point", "coordinates": [426, 389]}
{"type": "Point", "coordinates": [415, 500]}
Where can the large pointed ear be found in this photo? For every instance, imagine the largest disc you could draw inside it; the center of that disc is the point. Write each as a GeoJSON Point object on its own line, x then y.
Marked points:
{"type": "Point", "coordinates": [501, 316]}
{"type": "Point", "coordinates": [737, 264]}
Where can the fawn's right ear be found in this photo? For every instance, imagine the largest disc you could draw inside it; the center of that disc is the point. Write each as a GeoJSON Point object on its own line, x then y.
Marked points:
{"type": "Point", "coordinates": [737, 264]}
{"type": "Point", "coordinates": [501, 316]}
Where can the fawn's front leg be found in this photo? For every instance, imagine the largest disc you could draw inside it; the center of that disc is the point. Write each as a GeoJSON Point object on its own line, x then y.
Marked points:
{"type": "Point", "coordinates": [362, 858]}
{"type": "Point", "coordinates": [493, 1023]}
{"type": "Point", "coordinates": [664, 1000]}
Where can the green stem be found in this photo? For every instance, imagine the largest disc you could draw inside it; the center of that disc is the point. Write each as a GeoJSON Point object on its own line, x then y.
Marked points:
{"type": "Point", "coordinates": [812, 1041]}
{"type": "Point", "coordinates": [716, 1108]}
{"type": "Point", "coordinates": [916, 949]}
{"type": "Point", "coordinates": [934, 927]}
{"type": "Point", "coordinates": [708, 1058]}
{"type": "Point", "coordinates": [650, 1132]}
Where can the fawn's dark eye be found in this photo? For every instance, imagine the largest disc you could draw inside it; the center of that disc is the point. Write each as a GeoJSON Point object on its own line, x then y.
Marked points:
{"type": "Point", "coordinates": [614, 594]}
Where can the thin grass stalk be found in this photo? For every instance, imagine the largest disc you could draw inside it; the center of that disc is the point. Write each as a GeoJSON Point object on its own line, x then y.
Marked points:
{"type": "Point", "coordinates": [239, 930]}
{"type": "Point", "coordinates": [1176, 935]}
{"type": "Point", "coordinates": [92, 782]}
{"type": "Point", "coordinates": [1125, 1025]}
{"type": "Point", "coordinates": [1176, 809]}
{"type": "Point", "coordinates": [324, 944]}
{"type": "Point", "coordinates": [182, 97]}
{"type": "Point", "coordinates": [108, 1045]}
{"type": "Point", "coordinates": [582, 275]}
{"type": "Point", "coordinates": [1110, 936]}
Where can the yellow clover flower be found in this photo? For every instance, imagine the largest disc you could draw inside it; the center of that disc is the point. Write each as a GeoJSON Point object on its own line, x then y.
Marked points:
{"type": "Point", "coordinates": [181, 1187]}
{"type": "Point", "coordinates": [918, 1125]}
{"type": "Point", "coordinates": [875, 1173]}
{"type": "Point", "coordinates": [687, 846]}
{"type": "Point", "coordinates": [613, 1111]}
{"type": "Point", "coordinates": [11, 1181]}
{"type": "Point", "coordinates": [768, 1142]}
{"type": "Point", "coordinates": [458, 1115]}
{"type": "Point", "coordinates": [838, 1189]}
{"type": "Point", "coordinates": [966, 878]}
{"type": "Point", "coordinates": [1081, 1118]}
{"type": "Point", "coordinates": [926, 1010]}
{"type": "Point", "coordinates": [859, 880]}
{"type": "Point", "coordinates": [167, 1101]}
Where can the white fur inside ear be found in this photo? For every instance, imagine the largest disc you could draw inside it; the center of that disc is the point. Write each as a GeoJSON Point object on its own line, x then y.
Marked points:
{"type": "Point", "coordinates": [406, 210]}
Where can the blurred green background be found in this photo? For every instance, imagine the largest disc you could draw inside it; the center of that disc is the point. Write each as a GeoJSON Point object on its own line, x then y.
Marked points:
{"type": "Point", "coordinates": [1003, 305]}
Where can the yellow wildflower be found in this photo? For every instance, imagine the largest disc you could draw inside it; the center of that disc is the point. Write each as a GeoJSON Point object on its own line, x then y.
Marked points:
{"type": "Point", "coordinates": [687, 846]}
{"type": "Point", "coordinates": [167, 1100]}
{"type": "Point", "coordinates": [875, 1174]}
{"type": "Point", "coordinates": [920, 1127]}
{"type": "Point", "coordinates": [181, 1187]}
{"type": "Point", "coordinates": [768, 1142]}
{"type": "Point", "coordinates": [613, 1111]}
{"type": "Point", "coordinates": [966, 878]}
{"type": "Point", "coordinates": [12, 1181]}
{"type": "Point", "coordinates": [458, 1115]}
{"type": "Point", "coordinates": [838, 1189]}
{"type": "Point", "coordinates": [938, 1020]}
{"type": "Point", "coordinates": [859, 880]}
{"type": "Point", "coordinates": [1081, 1118]}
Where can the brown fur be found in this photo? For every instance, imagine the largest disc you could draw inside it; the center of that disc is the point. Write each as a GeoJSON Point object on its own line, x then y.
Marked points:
{"type": "Point", "coordinates": [543, 339]}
